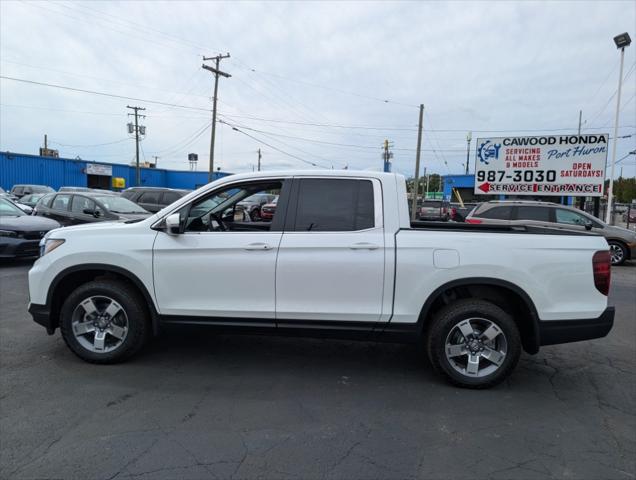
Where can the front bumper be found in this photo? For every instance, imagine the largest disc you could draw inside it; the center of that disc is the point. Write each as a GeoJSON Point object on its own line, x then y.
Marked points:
{"type": "Point", "coordinates": [552, 332]}
{"type": "Point", "coordinates": [19, 247]}
{"type": "Point", "coordinates": [42, 315]}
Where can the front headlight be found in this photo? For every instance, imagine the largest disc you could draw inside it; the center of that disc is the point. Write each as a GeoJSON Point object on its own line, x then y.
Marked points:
{"type": "Point", "coordinates": [47, 245]}
{"type": "Point", "coordinates": [8, 233]}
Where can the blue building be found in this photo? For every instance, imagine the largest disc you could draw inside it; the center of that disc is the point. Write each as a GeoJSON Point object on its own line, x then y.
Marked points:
{"type": "Point", "coordinates": [16, 168]}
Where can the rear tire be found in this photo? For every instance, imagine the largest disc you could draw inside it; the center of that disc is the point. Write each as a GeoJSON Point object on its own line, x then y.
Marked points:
{"type": "Point", "coordinates": [104, 321]}
{"type": "Point", "coordinates": [473, 343]}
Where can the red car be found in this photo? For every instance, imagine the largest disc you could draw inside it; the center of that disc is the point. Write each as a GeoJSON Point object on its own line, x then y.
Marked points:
{"type": "Point", "coordinates": [269, 209]}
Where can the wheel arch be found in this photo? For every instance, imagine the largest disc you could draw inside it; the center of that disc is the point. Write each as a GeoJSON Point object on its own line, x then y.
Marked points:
{"type": "Point", "coordinates": [70, 278]}
{"type": "Point", "coordinates": [507, 295]}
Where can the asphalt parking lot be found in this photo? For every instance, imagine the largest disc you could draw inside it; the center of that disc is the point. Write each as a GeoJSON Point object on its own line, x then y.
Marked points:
{"type": "Point", "coordinates": [200, 405]}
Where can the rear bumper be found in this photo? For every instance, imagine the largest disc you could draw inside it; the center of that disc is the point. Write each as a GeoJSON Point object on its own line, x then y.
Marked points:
{"type": "Point", "coordinates": [565, 331]}
{"type": "Point", "coordinates": [42, 315]}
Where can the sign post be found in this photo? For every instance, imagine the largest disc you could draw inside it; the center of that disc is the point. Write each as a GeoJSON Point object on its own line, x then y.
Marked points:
{"type": "Point", "coordinates": [560, 165]}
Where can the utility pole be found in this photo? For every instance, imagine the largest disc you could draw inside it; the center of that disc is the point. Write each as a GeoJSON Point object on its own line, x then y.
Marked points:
{"type": "Point", "coordinates": [469, 137]}
{"type": "Point", "coordinates": [417, 164]}
{"type": "Point", "coordinates": [156, 160]}
{"type": "Point", "coordinates": [216, 71]}
{"type": "Point", "coordinates": [136, 132]}
{"type": "Point", "coordinates": [259, 159]}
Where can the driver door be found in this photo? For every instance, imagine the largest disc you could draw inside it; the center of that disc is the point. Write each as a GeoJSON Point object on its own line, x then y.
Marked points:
{"type": "Point", "coordinates": [216, 267]}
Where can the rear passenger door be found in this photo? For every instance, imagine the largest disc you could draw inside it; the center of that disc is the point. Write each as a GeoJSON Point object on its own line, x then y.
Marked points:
{"type": "Point", "coordinates": [330, 263]}
{"type": "Point", "coordinates": [60, 209]}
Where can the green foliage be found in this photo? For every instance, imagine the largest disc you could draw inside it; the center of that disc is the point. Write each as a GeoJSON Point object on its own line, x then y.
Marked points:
{"type": "Point", "coordinates": [624, 189]}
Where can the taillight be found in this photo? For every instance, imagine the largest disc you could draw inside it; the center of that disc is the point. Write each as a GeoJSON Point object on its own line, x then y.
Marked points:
{"type": "Point", "coordinates": [473, 220]}
{"type": "Point", "coordinates": [602, 266]}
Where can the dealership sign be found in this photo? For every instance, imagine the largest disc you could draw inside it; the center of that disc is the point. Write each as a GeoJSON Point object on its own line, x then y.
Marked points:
{"type": "Point", "coordinates": [554, 165]}
{"type": "Point", "coordinates": [97, 169]}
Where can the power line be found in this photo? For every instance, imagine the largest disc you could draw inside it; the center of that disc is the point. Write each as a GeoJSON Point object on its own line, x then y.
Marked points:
{"type": "Point", "coordinates": [93, 145]}
{"type": "Point", "coordinates": [103, 94]}
{"type": "Point", "coordinates": [272, 146]}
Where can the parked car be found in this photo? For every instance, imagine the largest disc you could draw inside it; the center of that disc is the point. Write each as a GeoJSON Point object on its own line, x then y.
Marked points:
{"type": "Point", "coordinates": [458, 212]}
{"type": "Point", "coordinates": [153, 199]}
{"type": "Point", "coordinates": [20, 234]}
{"type": "Point", "coordinates": [269, 209]}
{"type": "Point", "coordinates": [433, 210]}
{"type": "Point", "coordinates": [344, 261]}
{"type": "Point", "coordinates": [252, 205]}
{"type": "Point", "coordinates": [76, 208]}
{"type": "Point", "coordinates": [21, 190]}
{"type": "Point", "coordinates": [86, 190]}
{"type": "Point", "coordinates": [74, 189]}
{"type": "Point", "coordinates": [622, 242]}
{"type": "Point", "coordinates": [31, 199]}
{"type": "Point", "coordinates": [632, 215]}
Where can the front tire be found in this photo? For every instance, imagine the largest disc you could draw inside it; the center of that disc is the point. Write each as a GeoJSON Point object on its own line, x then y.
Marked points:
{"type": "Point", "coordinates": [104, 321]}
{"type": "Point", "coordinates": [618, 252]}
{"type": "Point", "coordinates": [473, 343]}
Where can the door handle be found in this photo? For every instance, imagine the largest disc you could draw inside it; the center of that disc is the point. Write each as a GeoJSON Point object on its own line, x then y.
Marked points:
{"type": "Point", "coordinates": [364, 246]}
{"type": "Point", "coordinates": [257, 246]}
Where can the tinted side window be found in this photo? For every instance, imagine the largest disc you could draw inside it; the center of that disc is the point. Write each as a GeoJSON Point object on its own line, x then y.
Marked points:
{"type": "Point", "coordinates": [46, 200]}
{"type": "Point", "coordinates": [61, 202]}
{"type": "Point", "coordinates": [129, 194]}
{"type": "Point", "coordinates": [82, 203]}
{"type": "Point", "coordinates": [538, 214]}
{"type": "Point", "coordinates": [170, 197]}
{"type": "Point", "coordinates": [570, 217]}
{"type": "Point", "coordinates": [497, 213]}
{"type": "Point", "coordinates": [334, 205]}
{"type": "Point", "coordinates": [149, 197]}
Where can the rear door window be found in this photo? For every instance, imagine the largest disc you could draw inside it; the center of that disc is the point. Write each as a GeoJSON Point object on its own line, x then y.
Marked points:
{"type": "Point", "coordinates": [149, 197]}
{"type": "Point", "coordinates": [503, 212]}
{"type": "Point", "coordinates": [533, 213]}
{"type": "Point", "coordinates": [334, 205]}
{"type": "Point", "coordinates": [61, 202]}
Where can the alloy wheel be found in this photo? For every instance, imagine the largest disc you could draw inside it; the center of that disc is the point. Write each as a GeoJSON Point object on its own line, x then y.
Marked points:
{"type": "Point", "coordinates": [617, 254]}
{"type": "Point", "coordinates": [99, 324]}
{"type": "Point", "coordinates": [476, 347]}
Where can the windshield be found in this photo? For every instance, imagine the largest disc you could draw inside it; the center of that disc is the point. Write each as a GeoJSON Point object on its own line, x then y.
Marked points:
{"type": "Point", "coordinates": [119, 204]}
{"type": "Point", "coordinates": [8, 209]}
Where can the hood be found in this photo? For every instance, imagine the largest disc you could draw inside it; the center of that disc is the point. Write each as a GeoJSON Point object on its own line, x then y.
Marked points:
{"type": "Point", "coordinates": [27, 223]}
{"type": "Point", "coordinates": [133, 216]}
{"type": "Point", "coordinates": [620, 232]}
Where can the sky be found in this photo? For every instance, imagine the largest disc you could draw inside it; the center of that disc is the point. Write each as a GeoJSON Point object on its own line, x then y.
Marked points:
{"type": "Point", "coordinates": [313, 84]}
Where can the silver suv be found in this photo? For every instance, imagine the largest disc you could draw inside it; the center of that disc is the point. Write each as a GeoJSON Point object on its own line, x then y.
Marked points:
{"type": "Point", "coordinates": [622, 242]}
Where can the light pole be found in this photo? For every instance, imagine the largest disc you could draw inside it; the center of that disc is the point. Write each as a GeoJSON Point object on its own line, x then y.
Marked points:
{"type": "Point", "coordinates": [469, 137]}
{"type": "Point", "coordinates": [623, 40]}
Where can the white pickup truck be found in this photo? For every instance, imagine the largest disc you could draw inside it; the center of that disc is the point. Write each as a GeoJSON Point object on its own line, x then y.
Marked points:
{"type": "Point", "coordinates": [339, 258]}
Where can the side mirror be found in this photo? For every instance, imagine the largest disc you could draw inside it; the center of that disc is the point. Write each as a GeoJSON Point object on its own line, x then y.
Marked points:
{"type": "Point", "coordinates": [588, 225]}
{"type": "Point", "coordinates": [173, 224]}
